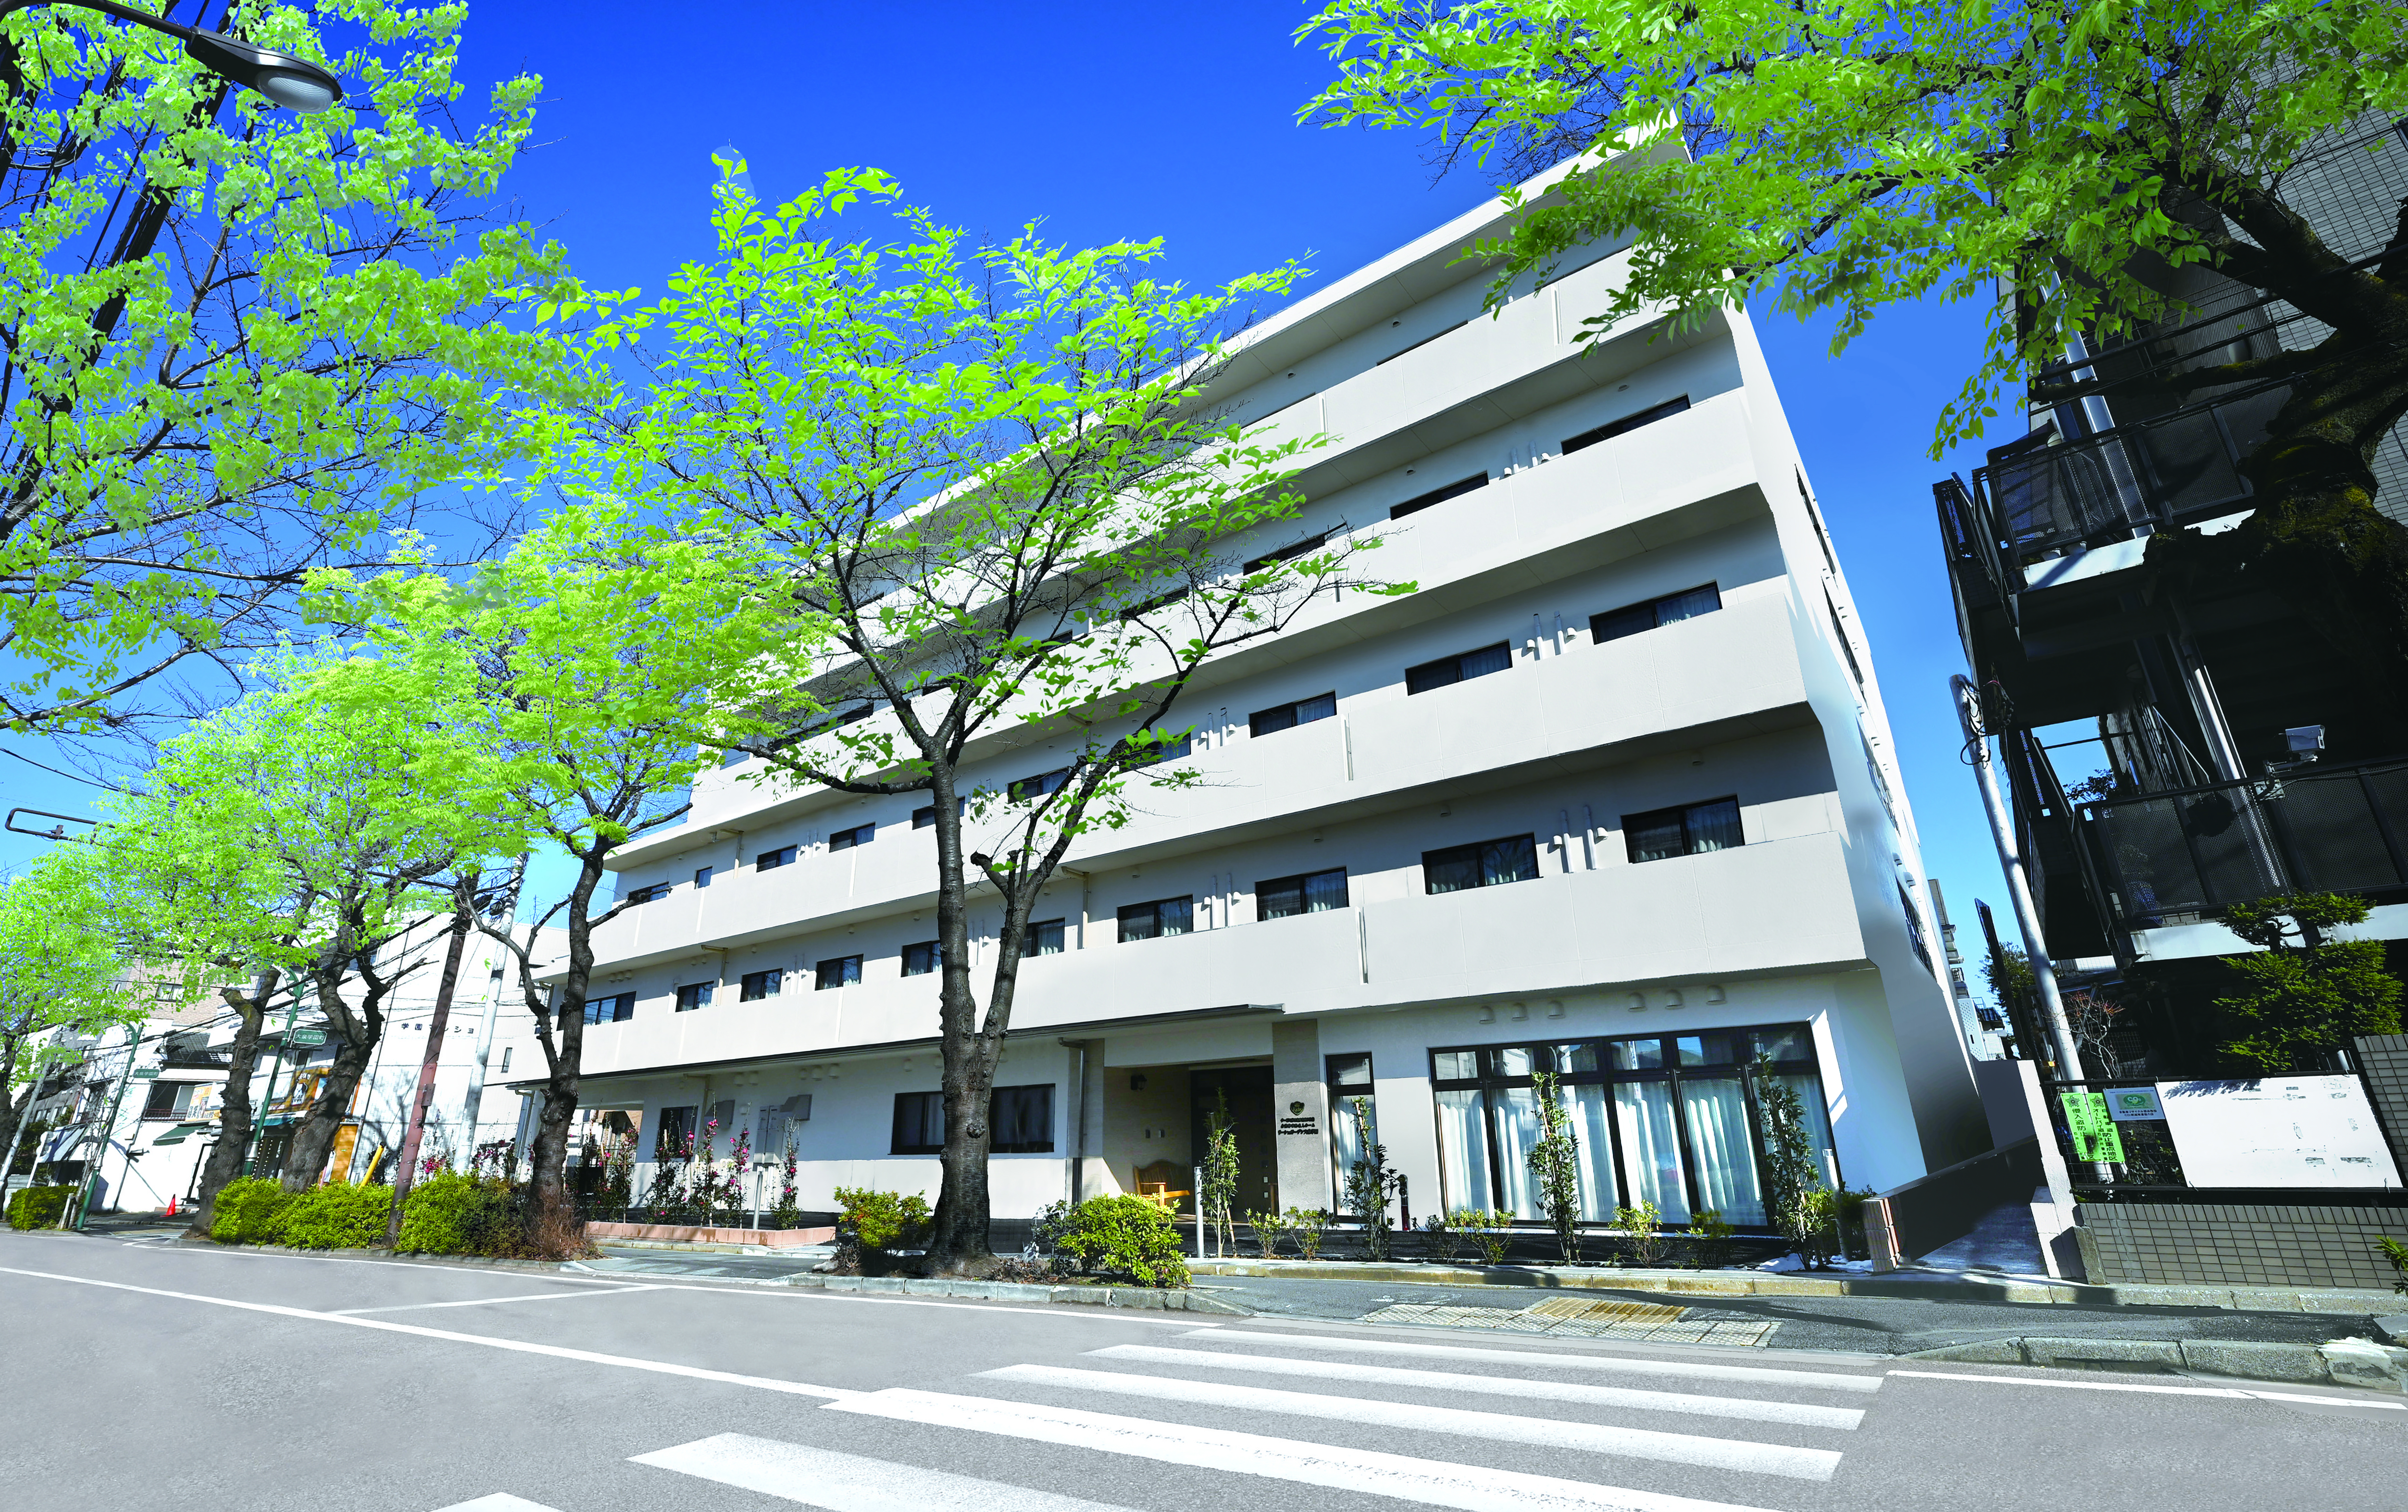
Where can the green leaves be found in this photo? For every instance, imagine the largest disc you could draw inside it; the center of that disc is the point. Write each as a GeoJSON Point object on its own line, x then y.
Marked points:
{"type": "Point", "coordinates": [1844, 155]}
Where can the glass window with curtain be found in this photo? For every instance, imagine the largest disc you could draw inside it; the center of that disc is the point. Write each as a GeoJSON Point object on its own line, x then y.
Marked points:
{"type": "Point", "coordinates": [1669, 1119]}
{"type": "Point", "coordinates": [1692, 829]}
{"type": "Point", "coordinates": [1349, 1087]}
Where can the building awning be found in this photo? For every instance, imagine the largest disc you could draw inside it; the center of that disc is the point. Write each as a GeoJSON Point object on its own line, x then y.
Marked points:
{"type": "Point", "coordinates": [179, 1134]}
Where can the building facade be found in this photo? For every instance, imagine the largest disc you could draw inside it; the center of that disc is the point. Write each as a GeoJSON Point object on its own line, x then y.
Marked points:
{"type": "Point", "coordinates": [1612, 795]}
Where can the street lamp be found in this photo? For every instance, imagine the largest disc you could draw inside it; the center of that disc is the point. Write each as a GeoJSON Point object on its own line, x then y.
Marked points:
{"type": "Point", "coordinates": [295, 83]}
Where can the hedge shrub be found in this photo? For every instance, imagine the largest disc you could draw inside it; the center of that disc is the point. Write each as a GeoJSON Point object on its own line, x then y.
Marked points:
{"type": "Point", "coordinates": [455, 1213]}
{"type": "Point", "coordinates": [336, 1216]}
{"type": "Point", "coordinates": [250, 1211]}
{"type": "Point", "coordinates": [38, 1208]}
{"type": "Point", "coordinates": [882, 1221]}
{"type": "Point", "coordinates": [1125, 1234]}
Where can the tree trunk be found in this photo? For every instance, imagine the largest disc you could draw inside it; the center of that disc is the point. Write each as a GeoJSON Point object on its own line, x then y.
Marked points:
{"type": "Point", "coordinates": [436, 1027]}
{"type": "Point", "coordinates": [313, 1138]}
{"type": "Point", "coordinates": [234, 1107]}
{"type": "Point", "coordinates": [555, 1213]}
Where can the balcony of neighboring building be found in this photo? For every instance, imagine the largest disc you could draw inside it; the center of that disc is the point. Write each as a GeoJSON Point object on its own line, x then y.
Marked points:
{"type": "Point", "coordinates": [1774, 906]}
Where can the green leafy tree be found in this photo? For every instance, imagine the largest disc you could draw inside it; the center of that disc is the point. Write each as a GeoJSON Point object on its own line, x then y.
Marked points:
{"type": "Point", "coordinates": [579, 667]}
{"type": "Point", "coordinates": [1555, 1164]}
{"type": "Point", "coordinates": [2300, 996]}
{"type": "Point", "coordinates": [1370, 1186]}
{"type": "Point", "coordinates": [1001, 475]}
{"type": "Point", "coordinates": [1216, 1179]}
{"type": "Point", "coordinates": [60, 969]}
{"type": "Point", "coordinates": [1799, 1204]}
{"type": "Point", "coordinates": [2119, 167]}
{"type": "Point", "coordinates": [236, 342]}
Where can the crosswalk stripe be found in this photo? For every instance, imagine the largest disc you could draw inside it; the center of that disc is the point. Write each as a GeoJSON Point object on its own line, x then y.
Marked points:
{"type": "Point", "coordinates": [498, 1502]}
{"type": "Point", "coordinates": [1745, 1408]}
{"type": "Point", "coordinates": [1628, 1442]}
{"type": "Point", "coordinates": [848, 1482]}
{"type": "Point", "coordinates": [1429, 1482]}
{"type": "Point", "coordinates": [1636, 1365]}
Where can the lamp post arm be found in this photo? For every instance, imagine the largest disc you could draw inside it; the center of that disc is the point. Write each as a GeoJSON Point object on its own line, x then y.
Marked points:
{"type": "Point", "coordinates": [295, 83]}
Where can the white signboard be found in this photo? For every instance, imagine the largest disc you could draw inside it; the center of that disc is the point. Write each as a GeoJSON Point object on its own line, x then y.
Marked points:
{"type": "Point", "coordinates": [2277, 1131]}
{"type": "Point", "coordinates": [2134, 1105]}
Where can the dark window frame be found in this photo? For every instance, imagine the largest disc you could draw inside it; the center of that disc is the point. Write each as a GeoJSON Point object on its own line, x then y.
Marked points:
{"type": "Point", "coordinates": [845, 839]}
{"type": "Point", "coordinates": [1264, 722]}
{"type": "Point", "coordinates": [701, 877]}
{"type": "Point", "coordinates": [1302, 881]}
{"type": "Point", "coordinates": [1632, 823]}
{"type": "Point", "coordinates": [916, 1121]}
{"type": "Point", "coordinates": [925, 817]}
{"type": "Point", "coordinates": [1438, 495]}
{"type": "Point", "coordinates": [1042, 785]}
{"type": "Point", "coordinates": [1545, 1056]}
{"type": "Point", "coordinates": [935, 958]}
{"type": "Point", "coordinates": [1624, 425]}
{"type": "Point", "coordinates": [1040, 933]}
{"type": "Point", "coordinates": [692, 996]}
{"type": "Point", "coordinates": [1474, 848]}
{"type": "Point", "coordinates": [848, 972]}
{"type": "Point", "coordinates": [1622, 623]}
{"type": "Point", "coordinates": [1295, 549]}
{"type": "Point", "coordinates": [652, 893]}
{"type": "Point", "coordinates": [1427, 678]}
{"type": "Point", "coordinates": [615, 1009]}
{"type": "Point", "coordinates": [756, 986]}
{"type": "Point", "coordinates": [997, 1114]}
{"type": "Point", "coordinates": [770, 860]}
{"type": "Point", "coordinates": [1153, 908]}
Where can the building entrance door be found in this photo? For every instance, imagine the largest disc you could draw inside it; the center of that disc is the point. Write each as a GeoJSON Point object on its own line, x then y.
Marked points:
{"type": "Point", "coordinates": [1248, 1089]}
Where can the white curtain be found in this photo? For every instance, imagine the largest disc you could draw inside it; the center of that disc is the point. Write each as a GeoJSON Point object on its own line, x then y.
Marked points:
{"type": "Point", "coordinates": [1517, 1129]}
{"type": "Point", "coordinates": [1809, 1090]}
{"type": "Point", "coordinates": [1585, 1107]}
{"type": "Point", "coordinates": [1725, 1155]}
{"type": "Point", "coordinates": [1463, 1150]}
{"type": "Point", "coordinates": [1651, 1148]}
{"type": "Point", "coordinates": [1345, 1147]}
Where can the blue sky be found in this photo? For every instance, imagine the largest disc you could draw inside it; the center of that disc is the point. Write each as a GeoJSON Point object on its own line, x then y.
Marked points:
{"type": "Point", "coordinates": [1114, 121]}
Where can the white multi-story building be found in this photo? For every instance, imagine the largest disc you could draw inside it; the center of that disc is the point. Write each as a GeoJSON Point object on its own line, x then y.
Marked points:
{"type": "Point", "coordinates": [1612, 794]}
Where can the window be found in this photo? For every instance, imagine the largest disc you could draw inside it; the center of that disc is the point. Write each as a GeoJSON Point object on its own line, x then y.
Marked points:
{"type": "Point", "coordinates": [919, 1123]}
{"type": "Point", "coordinates": [1422, 342]}
{"type": "Point", "coordinates": [1830, 563]}
{"type": "Point", "coordinates": [838, 972]}
{"type": "Point", "coordinates": [1671, 1119]}
{"type": "Point", "coordinates": [1626, 424]}
{"type": "Point", "coordinates": [1840, 631]}
{"type": "Point", "coordinates": [1487, 864]}
{"type": "Point", "coordinates": [614, 1010]}
{"type": "Point", "coordinates": [1039, 786]}
{"type": "Point", "coordinates": [1438, 495]}
{"type": "Point", "coordinates": [1165, 748]}
{"type": "Point", "coordinates": [693, 995]}
{"type": "Point", "coordinates": [1315, 892]}
{"type": "Point", "coordinates": [760, 984]}
{"type": "Point", "coordinates": [702, 876]}
{"type": "Point", "coordinates": [1451, 670]}
{"type": "Point", "coordinates": [1639, 618]}
{"type": "Point", "coordinates": [1160, 600]}
{"type": "Point", "coordinates": [505, 1060]}
{"type": "Point", "coordinates": [646, 895]}
{"type": "Point", "coordinates": [925, 819]}
{"type": "Point", "coordinates": [845, 839]}
{"type": "Point", "coordinates": [1288, 715]}
{"type": "Point", "coordinates": [1692, 831]}
{"type": "Point", "coordinates": [924, 958]}
{"type": "Point", "coordinates": [1022, 1119]}
{"type": "Point", "coordinates": [674, 1140]}
{"type": "Point", "coordinates": [1290, 553]}
{"type": "Point", "coordinates": [167, 1100]}
{"type": "Point", "coordinates": [1155, 920]}
{"type": "Point", "coordinates": [1914, 926]}
{"type": "Point", "coordinates": [1350, 1088]}
{"type": "Point", "coordinates": [1044, 938]}
{"type": "Point", "coordinates": [771, 860]}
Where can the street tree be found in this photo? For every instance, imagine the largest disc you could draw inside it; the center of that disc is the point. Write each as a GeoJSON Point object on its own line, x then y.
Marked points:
{"type": "Point", "coordinates": [235, 340]}
{"type": "Point", "coordinates": [580, 667]}
{"type": "Point", "coordinates": [60, 969]}
{"type": "Point", "coordinates": [323, 828]}
{"type": "Point", "coordinates": [995, 474]}
{"type": "Point", "coordinates": [2117, 169]}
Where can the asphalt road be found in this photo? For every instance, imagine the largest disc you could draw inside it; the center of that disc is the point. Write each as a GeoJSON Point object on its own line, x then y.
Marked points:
{"type": "Point", "coordinates": [146, 1376]}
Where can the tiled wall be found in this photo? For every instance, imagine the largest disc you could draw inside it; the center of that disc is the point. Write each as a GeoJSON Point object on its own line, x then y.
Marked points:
{"type": "Point", "coordinates": [2184, 1244]}
{"type": "Point", "coordinates": [2383, 1058]}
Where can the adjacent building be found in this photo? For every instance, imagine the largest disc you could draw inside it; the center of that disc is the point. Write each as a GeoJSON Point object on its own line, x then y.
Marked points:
{"type": "Point", "coordinates": [1612, 794]}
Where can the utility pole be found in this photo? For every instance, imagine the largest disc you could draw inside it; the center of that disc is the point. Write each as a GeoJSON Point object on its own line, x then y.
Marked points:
{"type": "Point", "coordinates": [495, 984]}
{"type": "Point", "coordinates": [462, 917]}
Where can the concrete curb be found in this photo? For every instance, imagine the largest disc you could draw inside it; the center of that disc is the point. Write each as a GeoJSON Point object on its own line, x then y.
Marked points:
{"type": "Point", "coordinates": [1935, 1285]}
{"type": "Point", "coordinates": [1155, 1298]}
{"type": "Point", "coordinates": [2345, 1362]}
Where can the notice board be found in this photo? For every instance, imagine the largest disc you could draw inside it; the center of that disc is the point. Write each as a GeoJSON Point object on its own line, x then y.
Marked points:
{"type": "Point", "coordinates": [2277, 1131]}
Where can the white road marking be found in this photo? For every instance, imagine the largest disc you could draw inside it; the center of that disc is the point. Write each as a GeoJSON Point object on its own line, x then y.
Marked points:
{"type": "Point", "coordinates": [514, 1346]}
{"type": "Point", "coordinates": [1428, 1482]}
{"type": "Point", "coordinates": [1635, 1364]}
{"type": "Point", "coordinates": [2162, 1390]}
{"type": "Point", "coordinates": [848, 1482]}
{"type": "Point", "coordinates": [488, 1302]}
{"type": "Point", "coordinates": [1745, 1408]}
{"type": "Point", "coordinates": [1628, 1442]}
{"type": "Point", "coordinates": [498, 1502]}
{"type": "Point", "coordinates": [488, 1271]}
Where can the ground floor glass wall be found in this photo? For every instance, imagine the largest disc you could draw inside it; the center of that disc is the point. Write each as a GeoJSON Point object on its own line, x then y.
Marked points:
{"type": "Point", "coordinates": [1668, 1119]}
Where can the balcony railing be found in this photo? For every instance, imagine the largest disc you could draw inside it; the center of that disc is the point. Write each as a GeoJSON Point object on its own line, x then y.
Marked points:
{"type": "Point", "coordinates": [2180, 857]}
{"type": "Point", "coordinates": [2033, 502]}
